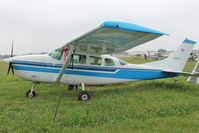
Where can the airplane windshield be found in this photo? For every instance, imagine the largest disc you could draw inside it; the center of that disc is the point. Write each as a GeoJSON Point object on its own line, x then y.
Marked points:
{"type": "Point", "coordinates": [57, 53]}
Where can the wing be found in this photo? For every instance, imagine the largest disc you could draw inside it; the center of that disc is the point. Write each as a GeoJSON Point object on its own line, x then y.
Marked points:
{"type": "Point", "coordinates": [114, 37]}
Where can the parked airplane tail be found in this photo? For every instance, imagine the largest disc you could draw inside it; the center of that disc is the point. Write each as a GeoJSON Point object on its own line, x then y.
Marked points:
{"type": "Point", "coordinates": [195, 70]}
{"type": "Point", "coordinates": [176, 60]}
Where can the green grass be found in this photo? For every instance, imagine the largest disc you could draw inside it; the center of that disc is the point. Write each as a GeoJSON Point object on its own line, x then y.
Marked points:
{"type": "Point", "coordinates": [147, 106]}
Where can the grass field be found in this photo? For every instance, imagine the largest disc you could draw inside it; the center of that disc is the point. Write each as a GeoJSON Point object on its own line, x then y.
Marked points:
{"type": "Point", "coordinates": [148, 106]}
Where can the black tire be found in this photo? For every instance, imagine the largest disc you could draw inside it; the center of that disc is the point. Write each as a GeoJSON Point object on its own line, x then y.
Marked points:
{"type": "Point", "coordinates": [28, 94]}
{"type": "Point", "coordinates": [84, 96]}
{"type": "Point", "coordinates": [70, 87]}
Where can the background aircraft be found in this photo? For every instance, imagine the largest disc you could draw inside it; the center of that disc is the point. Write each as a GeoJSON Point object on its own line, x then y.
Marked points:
{"type": "Point", "coordinates": [84, 61]}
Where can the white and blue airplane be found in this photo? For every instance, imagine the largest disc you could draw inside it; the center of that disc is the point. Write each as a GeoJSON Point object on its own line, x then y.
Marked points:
{"type": "Point", "coordinates": [85, 60]}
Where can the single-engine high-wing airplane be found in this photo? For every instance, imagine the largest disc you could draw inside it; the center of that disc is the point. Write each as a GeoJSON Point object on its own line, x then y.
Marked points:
{"type": "Point", "coordinates": [84, 61]}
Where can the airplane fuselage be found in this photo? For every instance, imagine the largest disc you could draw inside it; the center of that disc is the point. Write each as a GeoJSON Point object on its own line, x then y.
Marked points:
{"type": "Point", "coordinates": [107, 70]}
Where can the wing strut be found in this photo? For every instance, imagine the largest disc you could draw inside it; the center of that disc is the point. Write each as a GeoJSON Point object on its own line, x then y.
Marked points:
{"type": "Point", "coordinates": [66, 62]}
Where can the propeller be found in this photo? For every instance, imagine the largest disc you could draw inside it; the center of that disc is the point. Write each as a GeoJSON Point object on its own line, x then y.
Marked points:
{"type": "Point", "coordinates": [10, 67]}
{"type": "Point", "coordinates": [11, 54]}
{"type": "Point", "coordinates": [11, 63]}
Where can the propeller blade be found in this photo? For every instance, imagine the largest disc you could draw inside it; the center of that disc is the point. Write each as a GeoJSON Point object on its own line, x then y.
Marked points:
{"type": "Point", "coordinates": [10, 63]}
{"type": "Point", "coordinates": [12, 70]}
{"type": "Point", "coordinates": [11, 54]}
{"type": "Point", "coordinates": [10, 67]}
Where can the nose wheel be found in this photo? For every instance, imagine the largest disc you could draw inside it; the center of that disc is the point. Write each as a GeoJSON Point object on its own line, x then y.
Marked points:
{"type": "Point", "coordinates": [83, 95]}
{"type": "Point", "coordinates": [31, 93]}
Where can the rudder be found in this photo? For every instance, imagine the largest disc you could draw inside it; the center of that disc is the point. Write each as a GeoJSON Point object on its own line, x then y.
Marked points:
{"type": "Point", "coordinates": [177, 59]}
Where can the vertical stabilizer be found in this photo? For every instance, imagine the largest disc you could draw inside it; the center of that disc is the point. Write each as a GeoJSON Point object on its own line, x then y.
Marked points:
{"type": "Point", "coordinates": [176, 60]}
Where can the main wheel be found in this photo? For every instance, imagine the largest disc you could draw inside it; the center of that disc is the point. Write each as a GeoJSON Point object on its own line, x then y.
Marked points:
{"type": "Point", "coordinates": [29, 94]}
{"type": "Point", "coordinates": [84, 96]}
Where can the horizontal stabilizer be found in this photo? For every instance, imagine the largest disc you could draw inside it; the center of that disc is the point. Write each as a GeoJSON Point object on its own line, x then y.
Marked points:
{"type": "Point", "coordinates": [183, 73]}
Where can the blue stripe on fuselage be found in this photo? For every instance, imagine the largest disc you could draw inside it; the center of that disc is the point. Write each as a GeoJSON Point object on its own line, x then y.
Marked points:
{"type": "Point", "coordinates": [81, 67]}
{"type": "Point", "coordinates": [41, 64]}
{"type": "Point", "coordinates": [134, 74]}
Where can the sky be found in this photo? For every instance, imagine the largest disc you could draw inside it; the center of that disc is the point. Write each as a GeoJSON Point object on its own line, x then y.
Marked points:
{"type": "Point", "coordinates": [43, 25]}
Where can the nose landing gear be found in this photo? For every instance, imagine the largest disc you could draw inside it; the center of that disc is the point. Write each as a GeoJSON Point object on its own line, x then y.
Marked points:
{"type": "Point", "coordinates": [31, 93]}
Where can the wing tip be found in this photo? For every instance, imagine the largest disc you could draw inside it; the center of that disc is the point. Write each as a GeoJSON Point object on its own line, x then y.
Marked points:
{"type": "Point", "coordinates": [130, 26]}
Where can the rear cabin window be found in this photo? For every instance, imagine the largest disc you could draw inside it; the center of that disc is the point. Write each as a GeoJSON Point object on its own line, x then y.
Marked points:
{"type": "Point", "coordinates": [109, 62]}
{"type": "Point", "coordinates": [122, 62]}
{"type": "Point", "coordinates": [79, 59]}
{"type": "Point", "coordinates": [95, 60]}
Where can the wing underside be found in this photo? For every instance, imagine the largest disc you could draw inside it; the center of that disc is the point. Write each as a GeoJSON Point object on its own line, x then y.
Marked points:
{"type": "Point", "coordinates": [114, 37]}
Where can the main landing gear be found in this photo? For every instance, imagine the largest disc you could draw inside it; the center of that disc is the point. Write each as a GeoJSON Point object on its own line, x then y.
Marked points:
{"type": "Point", "coordinates": [83, 95]}
{"type": "Point", "coordinates": [71, 87]}
{"type": "Point", "coordinates": [31, 93]}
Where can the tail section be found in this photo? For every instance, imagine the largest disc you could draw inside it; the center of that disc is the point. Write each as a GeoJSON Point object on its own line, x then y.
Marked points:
{"type": "Point", "coordinates": [176, 60]}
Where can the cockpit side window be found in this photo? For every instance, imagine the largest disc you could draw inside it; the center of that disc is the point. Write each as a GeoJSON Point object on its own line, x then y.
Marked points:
{"type": "Point", "coordinates": [79, 59]}
{"type": "Point", "coordinates": [109, 62]}
{"type": "Point", "coordinates": [93, 60]}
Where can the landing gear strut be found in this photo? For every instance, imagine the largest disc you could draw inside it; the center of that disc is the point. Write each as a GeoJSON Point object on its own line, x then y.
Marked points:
{"type": "Point", "coordinates": [31, 93]}
{"type": "Point", "coordinates": [83, 95]}
{"type": "Point", "coordinates": [71, 87]}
